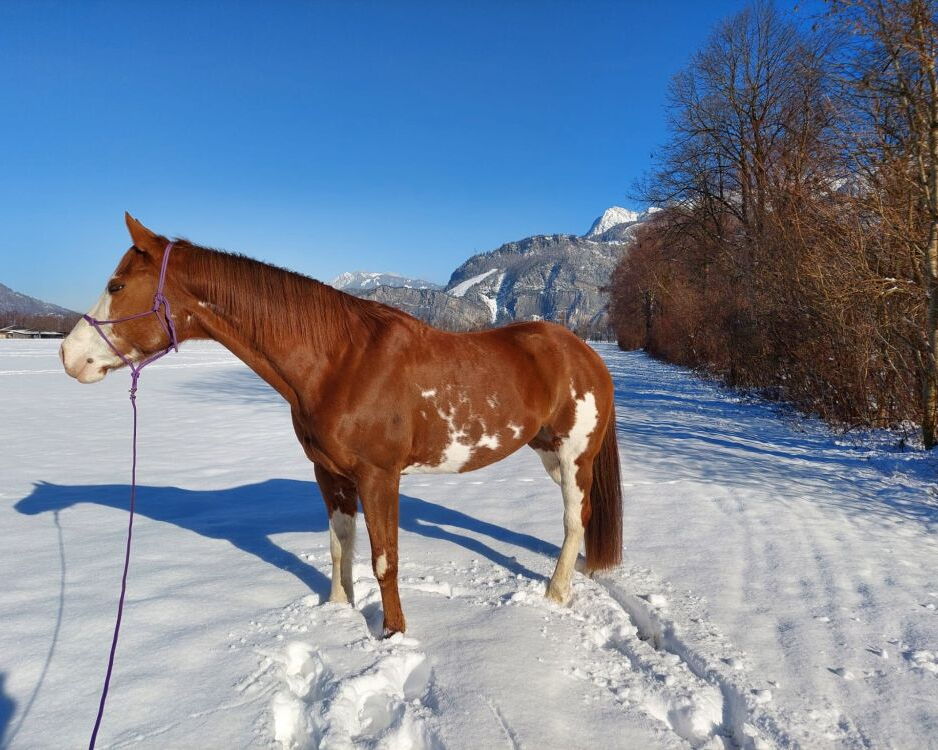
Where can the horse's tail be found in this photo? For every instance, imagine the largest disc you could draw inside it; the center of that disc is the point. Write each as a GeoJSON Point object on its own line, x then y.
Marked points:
{"type": "Point", "coordinates": [604, 527]}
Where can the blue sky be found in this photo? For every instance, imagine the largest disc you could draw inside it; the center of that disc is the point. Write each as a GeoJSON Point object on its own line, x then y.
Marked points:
{"type": "Point", "coordinates": [323, 136]}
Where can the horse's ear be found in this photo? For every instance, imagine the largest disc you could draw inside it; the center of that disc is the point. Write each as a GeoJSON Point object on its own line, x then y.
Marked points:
{"type": "Point", "coordinates": [142, 237]}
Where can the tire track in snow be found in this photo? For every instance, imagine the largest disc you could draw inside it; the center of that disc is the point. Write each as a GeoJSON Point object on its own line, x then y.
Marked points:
{"type": "Point", "coordinates": [509, 732]}
{"type": "Point", "coordinates": [685, 677]}
{"type": "Point", "coordinates": [662, 676]}
{"type": "Point", "coordinates": [829, 536]}
{"type": "Point", "coordinates": [743, 720]}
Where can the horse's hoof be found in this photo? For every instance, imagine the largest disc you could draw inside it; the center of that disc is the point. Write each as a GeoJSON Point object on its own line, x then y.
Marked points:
{"type": "Point", "coordinates": [562, 598]}
{"type": "Point", "coordinates": [393, 628]}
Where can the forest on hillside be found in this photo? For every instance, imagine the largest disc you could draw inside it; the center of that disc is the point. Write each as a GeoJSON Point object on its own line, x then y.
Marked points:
{"type": "Point", "coordinates": [797, 252]}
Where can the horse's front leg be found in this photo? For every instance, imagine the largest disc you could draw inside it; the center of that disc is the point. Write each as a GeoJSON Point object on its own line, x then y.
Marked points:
{"type": "Point", "coordinates": [380, 503]}
{"type": "Point", "coordinates": [341, 500]}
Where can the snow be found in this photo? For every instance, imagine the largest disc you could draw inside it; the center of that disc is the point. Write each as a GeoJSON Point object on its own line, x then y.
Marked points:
{"type": "Point", "coordinates": [369, 280]}
{"type": "Point", "coordinates": [778, 588]}
{"type": "Point", "coordinates": [464, 286]}
{"type": "Point", "coordinates": [611, 217]}
{"type": "Point", "coordinates": [492, 302]}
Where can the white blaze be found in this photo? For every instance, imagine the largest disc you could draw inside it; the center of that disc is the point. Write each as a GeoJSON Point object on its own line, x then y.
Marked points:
{"type": "Point", "coordinates": [85, 354]}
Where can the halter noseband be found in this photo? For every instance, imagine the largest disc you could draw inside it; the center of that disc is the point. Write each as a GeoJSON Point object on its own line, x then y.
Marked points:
{"type": "Point", "coordinates": [166, 321]}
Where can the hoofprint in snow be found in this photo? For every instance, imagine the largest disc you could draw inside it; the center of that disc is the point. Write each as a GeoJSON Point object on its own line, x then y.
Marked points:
{"type": "Point", "coordinates": [779, 588]}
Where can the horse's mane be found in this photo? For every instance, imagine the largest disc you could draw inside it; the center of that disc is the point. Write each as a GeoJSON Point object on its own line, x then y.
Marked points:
{"type": "Point", "coordinates": [264, 300]}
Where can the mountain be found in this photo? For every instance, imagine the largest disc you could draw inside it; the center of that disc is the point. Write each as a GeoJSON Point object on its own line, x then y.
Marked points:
{"type": "Point", "coordinates": [351, 280]}
{"type": "Point", "coordinates": [611, 217]}
{"type": "Point", "coordinates": [546, 277]}
{"type": "Point", "coordinates": [556, 277]}
{"type": "Point", "coordinates": [21, 305]}
{"type": "Point", "coordinates": [431, 305]}
{"type": "Point", "coordinates": [618, 224]}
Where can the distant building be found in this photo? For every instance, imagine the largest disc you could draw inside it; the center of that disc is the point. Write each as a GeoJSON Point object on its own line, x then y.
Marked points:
{"type": "Point", "coordinates": [18, 332]}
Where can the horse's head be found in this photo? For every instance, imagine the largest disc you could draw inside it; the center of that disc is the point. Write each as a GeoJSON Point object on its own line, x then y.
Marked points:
{"type": "Point", "coordinates": [130, 290]}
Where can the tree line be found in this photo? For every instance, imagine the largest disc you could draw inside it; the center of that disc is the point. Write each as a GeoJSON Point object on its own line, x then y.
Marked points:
{"type": "Point", "coordinates": [797, 248]}
{"type": "Point", "coordinates": [59, 323]}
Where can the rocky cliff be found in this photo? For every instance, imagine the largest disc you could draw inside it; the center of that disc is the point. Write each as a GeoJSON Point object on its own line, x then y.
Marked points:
{"type": "Point", "coordinates": [555, 277]}
{"type": "Point", "coordinates": [431, 305]}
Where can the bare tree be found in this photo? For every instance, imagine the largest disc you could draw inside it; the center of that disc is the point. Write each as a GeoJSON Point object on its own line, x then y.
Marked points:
{"type": "Point", "coordinates": [893, 93]}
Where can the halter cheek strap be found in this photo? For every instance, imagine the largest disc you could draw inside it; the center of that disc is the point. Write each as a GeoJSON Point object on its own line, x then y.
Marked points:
{"type": "Point", "coordinates": [166, 321]}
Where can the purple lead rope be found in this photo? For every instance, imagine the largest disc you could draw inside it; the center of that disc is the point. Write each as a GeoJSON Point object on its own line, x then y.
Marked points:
{"type": "Point", "coordinates": [159, 301]}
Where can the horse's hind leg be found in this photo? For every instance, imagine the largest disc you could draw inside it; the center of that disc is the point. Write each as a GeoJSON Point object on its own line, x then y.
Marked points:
{"type": "Point", "coordinates": [576, 478]}
{"type": "Point", "coordinates": [341, 500]}
{"type": "Point", "coordinates": [545, 444]}
{"type": "Point", "coordinates": [551, 462]}
{"type": "Point", "coordinates": [575, 452]}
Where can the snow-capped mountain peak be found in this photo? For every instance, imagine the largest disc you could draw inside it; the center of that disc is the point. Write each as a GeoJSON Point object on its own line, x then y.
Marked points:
{"type": "Point", "coordinates": [372, 280]}
{"type": "Point", "coordinates": [612, 216]}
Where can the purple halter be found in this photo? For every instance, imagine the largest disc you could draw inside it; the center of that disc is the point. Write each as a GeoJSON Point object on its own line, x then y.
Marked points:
{"type": "Point", "coordinates": [166, 321]}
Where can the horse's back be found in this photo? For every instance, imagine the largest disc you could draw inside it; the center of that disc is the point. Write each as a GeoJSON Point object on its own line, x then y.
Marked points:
{"type": "Point", "coordinates": [547, 361]}
{"type": "Point", "coordinates": [556, 350]}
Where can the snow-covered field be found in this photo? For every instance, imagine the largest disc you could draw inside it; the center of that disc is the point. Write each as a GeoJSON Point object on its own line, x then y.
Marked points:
{"type": "Point", "coordinates": [780, 585]}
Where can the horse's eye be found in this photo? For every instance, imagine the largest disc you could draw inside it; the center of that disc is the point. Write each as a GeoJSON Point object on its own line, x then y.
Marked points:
{"type": "Point", "coordinates": [115, 287]}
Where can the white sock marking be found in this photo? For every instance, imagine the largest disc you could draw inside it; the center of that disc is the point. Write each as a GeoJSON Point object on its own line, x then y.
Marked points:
{"type": "Point", "coordinates": [342, 547]}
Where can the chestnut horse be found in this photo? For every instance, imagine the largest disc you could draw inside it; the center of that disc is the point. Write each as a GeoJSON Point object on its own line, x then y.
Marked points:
{"type": "Point", "coordinates": [376, 393]}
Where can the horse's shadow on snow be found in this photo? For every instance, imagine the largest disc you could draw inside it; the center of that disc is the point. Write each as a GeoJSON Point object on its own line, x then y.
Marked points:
{"type": "Point", "coordinates": [249, 515]}
{"type": "Point", "coordinates": [7, 707]}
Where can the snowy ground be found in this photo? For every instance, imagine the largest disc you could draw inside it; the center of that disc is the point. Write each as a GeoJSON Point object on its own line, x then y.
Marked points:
{"type": "Point", "coordinates": [779, 590]}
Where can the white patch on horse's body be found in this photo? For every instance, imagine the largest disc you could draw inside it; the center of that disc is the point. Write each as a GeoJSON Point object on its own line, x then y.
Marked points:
{"type": "Point", "coordinates": [453, 457]}
{"type": "Point", "coordinates": [381, 566]}
{"type": "Point", "coordinates": [571, 448]}
{"type": "Point", "coordinates": [342, 547]}
{"type": "Point", "coordinates": [515, 429]}
{"type": "Point", "coordinates": [85, 354]}
{"type": "Point", "coordinates": [585, 419]}
{"type": "Point", "coordinates": [459, 448]}
{"type": "Point", "coordinates": [488, 441]}
{"type": "Point", "coordinates": [492, 401]}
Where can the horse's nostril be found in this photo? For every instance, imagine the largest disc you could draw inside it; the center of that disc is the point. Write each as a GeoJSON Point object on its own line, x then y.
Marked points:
{"type": "Point", "coordinates": [90, 361]}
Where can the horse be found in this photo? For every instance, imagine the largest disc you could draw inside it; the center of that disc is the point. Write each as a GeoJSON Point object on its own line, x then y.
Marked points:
{"type": "Point", "coordinates": [375, 393]}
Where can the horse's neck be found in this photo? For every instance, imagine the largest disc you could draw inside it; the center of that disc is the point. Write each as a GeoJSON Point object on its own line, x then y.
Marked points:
{"type": "Point", "coordinates": [282, 352]}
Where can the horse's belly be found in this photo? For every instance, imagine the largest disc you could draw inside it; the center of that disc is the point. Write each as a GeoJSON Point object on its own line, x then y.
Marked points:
{"type": "Point", "coordinates": [428, 469]}
{"type": "Point", "coordinates": [461, 454]}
